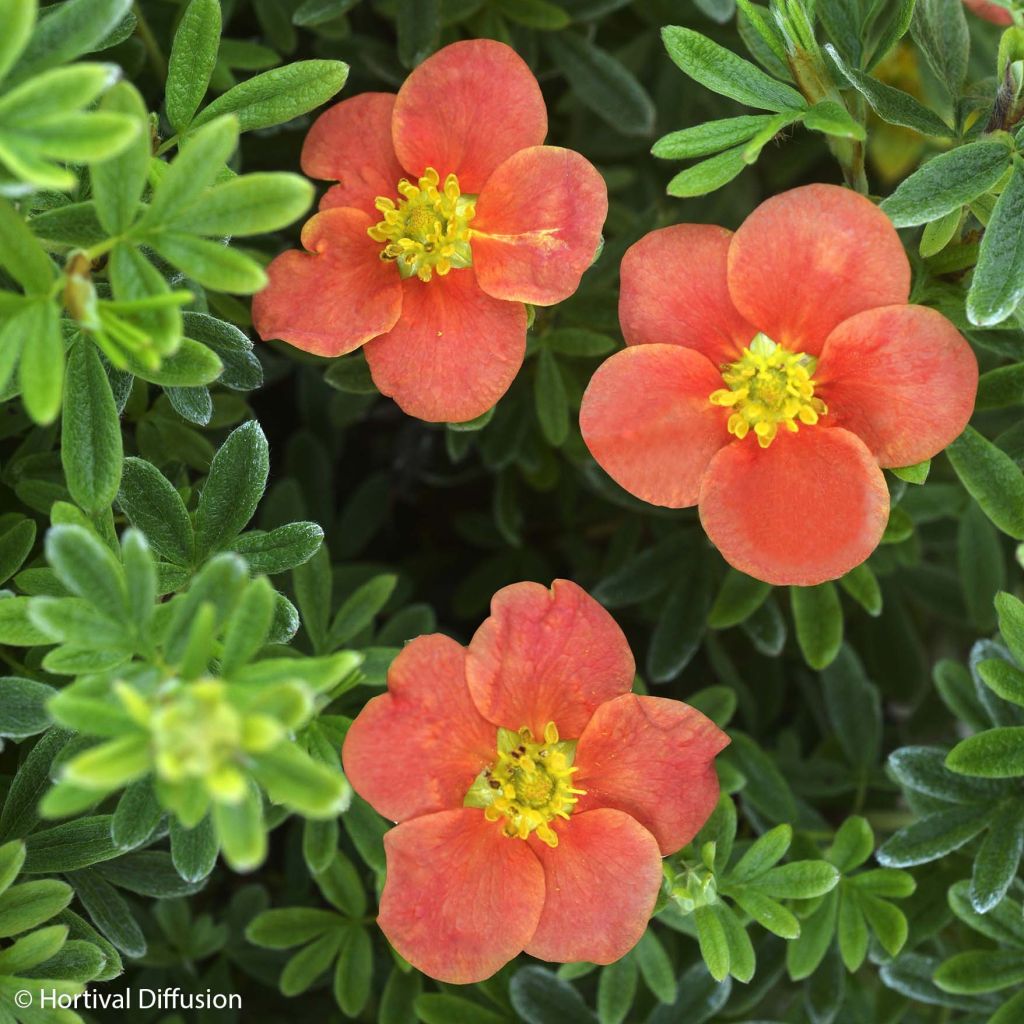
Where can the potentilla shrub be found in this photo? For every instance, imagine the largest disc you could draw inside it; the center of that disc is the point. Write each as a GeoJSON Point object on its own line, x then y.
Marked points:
{"type": "Point", "coordinates": [510, 511]}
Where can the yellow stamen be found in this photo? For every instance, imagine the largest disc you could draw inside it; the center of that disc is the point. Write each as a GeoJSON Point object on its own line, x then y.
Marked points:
{"type": "Point", "coordinates": [528, 785]}
{"type": "Point", "coordinates": [769, 387]}
{"type": "Point", "coordinates": [427, 230]}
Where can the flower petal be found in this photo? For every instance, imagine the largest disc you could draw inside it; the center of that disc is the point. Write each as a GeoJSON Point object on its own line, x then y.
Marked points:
{"type": "Point", "coordinates": [461, 899]}
{"type": "Point", "coordinates": [333, 298]}
{"type": "Point", "coordinates": [466, 109]}
{"type": "Point", "coordinates": [809, 258]}
{"type": "Point", "coordinates": [990, 12]}
{"type": "Point", "coordinates": [350, 143]}
{"type": "Point", "coordinates": [538, 225]}
{"type": "Point", "coordinates": [647, 420]}
{"type": "Point", "coordinates": [454, 352]}
{"type": "Point", "coordinates": [673, 291]}
{"type": "Point", "coordinates": [805, 510]}
{"type": "Point", "coordinates": [602, 881]}
{"type": "Point", "coordinates": [418, 747]}
{"type": "Point", "coordinates": [547, 655]}
{"type": "Point", "coordinates": [654, 759]}
{"type": "Point", "coordinates": [902, 378]}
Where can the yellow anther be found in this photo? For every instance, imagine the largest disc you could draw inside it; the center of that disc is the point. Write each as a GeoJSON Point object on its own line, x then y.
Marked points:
{"type": "Point", "coordinates": [528, 785]}
{"type": "Point", "coordinates": [769, 387]}
{"type": "Point", "coordinates": [427, 230]}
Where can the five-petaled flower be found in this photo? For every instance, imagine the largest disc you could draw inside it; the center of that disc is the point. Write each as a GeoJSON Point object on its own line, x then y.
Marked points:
{"type": "Point", "coordinates": [770, 373]}
{"type": "Point", "coordinates": [990, 11]}
{"type": "Point", "coordinates": [449, 214]}
{"type": "Point", "coordinates": [535, 794]}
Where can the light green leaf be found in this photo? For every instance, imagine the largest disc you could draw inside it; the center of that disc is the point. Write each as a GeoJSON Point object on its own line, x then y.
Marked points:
{"type": "Point", "coordinates": [193, 56]}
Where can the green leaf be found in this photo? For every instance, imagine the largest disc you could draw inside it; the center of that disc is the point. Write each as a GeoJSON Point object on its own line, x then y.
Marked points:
{"type": "Point", "coordinates": [998, 857]}
{"type": "Point", "coordinates": [278, 95]}
{"type": "Point", "coordinates": [656, 967]}
{"type": "Point", "coordinates": [742, 961]}
{"type": "Point", "coordinates": [360, 608]}
{"type": "Point", "coordinates": [279, 550]}
{"type": "Point", "coordinates": [90, 449]}
{"type": "Point", "coordinates": [240, 829]}
{"type": "Point", "coordinates": [891, 104]}
{"type": "Point", "coordinates": [194, 850]}
{"type": "Point", "coordinates": [923, 769]}
{"type": "Point", "coordinates": [766, 912]}
{"type": "Point", "coordinates": [419, 28]}
{"type": "Point", "coordinates": [602, 83]}
{"type": "Point", "coordinates": [74, 28]}
{"type": "Point", "coordinates": [713, 942]}
{"type": "Point", "coordinates": [31, 904]}
{"type": "Point", "coordinates": [980, 971]}
{"type": "Point", "coordinates": [992, 478]}
{"type": "Point", "coordinates": [234, 486]}
{"type": "Point", "coordinates": [765, 852]}
{"type": "Point", "coordinates": [541, 997]}
{"type": "Point", "coordinates": [540, 14]}
{"type": "Point", "coordinates": [819, 623]}
{"type": "Point", "coordinates": [88, 568]}
{"type": "Point", "coordinates": [153, 506]}
{"type": "Point", "coordinates": [110, 912]}
{"type": "Point", "coordinates": [739, 598]}
{"type": "Point", "coordinates": [434, 1008]}
{"type": "Point", "coordinates": [290, 926]}
{"type": "Point", "coordinates": [680, 624]}
{"type": "Point", "coordinates": [193, 56]}
{"type": "Point", "coordinates": [805, 953]}
{"type": "Point", "coordinates": [118, 183]}
{"type": "Point", "coordinates": [933, 836]}
{"type": "Point", "coordinates": [832, 119]}
{"type": "Point", "coordinates": [854, 709]}
{"type": "Point", "coordinates": [939, 28]}
{"type": "Point", "coordinates": [291, 777]}
{"type": "Point", "coordinates": [16, 542]}
{"type": "Point", "coordinates": [852, 931]}
{"type": "Point", "coordinates": [550, 399]}
{"type": "Point", "coordinates": [709, 137]}
{"type": "Point", "coordinates": [310, 963]}
{"type": "Point", "coordinates": [994, 754]}
{"type": "Point", "coordinates": [70, 846]}
{"type": "Point", "coordinates": [211, 264]}
{"type": "Point", "coordinates": [22, 256]}
{"type": "Point", "coordinates": [946, 182]}
{"type": "Point", "coordinates": [998, 283]}
{"type": "Point", "coordinates": [353, 972]}
{"type": "Point", "coordinates": [18, 18]}
{"type": "Point", "coordinates": [708, 175]}
{"type": "Point", "coordinates": [721, 71]}
{"type": "Point", "coordinates": [250, 205]}
{"type": "Point", "coordinates": [195, 167]}
{"type": "Point", "coordinates": [799, 880]}
{"type": "Point", "coordinates": [23, 707]}
{"type": "Point", "coordinates": [41, 371]}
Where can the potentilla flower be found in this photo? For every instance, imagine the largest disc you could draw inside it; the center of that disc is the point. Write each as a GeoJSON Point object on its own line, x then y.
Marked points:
{"type": "Point", "coordinates": [770, 373]}
{"type": "Point", "coordinates": [535, 795]}
{"type": "Point", "coordinates": [449, 214]}
{"type": "Point", "coordinates": [990, 12]}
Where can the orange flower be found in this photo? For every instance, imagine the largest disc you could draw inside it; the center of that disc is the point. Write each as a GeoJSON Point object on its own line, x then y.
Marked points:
{"type": "Point", "coordinates": [990, 12]}
{"type": "Point", "coordinates": [449, 214]}
{"type": "Point", "coordinates": [535, 794]}
{"type": "Point", "coordinates": [770, 373]}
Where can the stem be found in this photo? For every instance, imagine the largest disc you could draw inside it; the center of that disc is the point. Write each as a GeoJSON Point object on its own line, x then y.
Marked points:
{"type": "Point", "coordinates": [149, 41]}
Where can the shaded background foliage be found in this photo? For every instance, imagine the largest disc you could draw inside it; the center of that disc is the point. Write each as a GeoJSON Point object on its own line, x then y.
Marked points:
{"type": "Point", "coordinates": [842, 701]}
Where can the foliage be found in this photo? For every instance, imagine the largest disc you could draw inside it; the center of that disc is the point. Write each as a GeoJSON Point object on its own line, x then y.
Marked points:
{"type": "Point", "coordinates": [194, 529]}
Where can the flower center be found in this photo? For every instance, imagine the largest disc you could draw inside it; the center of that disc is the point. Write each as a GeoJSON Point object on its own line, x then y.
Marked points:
{"type": "Point", "coordinates": [529, 784]}
{"type": "Point", "coordinates": [427, 230]}
{"type": "Point", "coordinates": [769, 386]}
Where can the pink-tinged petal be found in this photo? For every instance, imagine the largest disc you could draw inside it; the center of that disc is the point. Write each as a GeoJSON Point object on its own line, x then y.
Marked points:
{"type": "Point", "coordinates": [547, 655]}
{"type": "Point", "coordinates": [351, 144]}
{"type": "Point", "coordinates": [654, 759]}
{"type": "Point", "coordinates": [333, 298]}
{"type": "Point", "coordinates": [461, 899]}
{"type": "Point", "coordinates": [902, 378]}
{"type": "Point", "coordinates": [454, 352]}
{"type": "Point", "coordinates": [418, 747]}
{"type": "Point", "coordinates": [647, 420]}
{"type": "Point", "coordinates": [467, 109]}
{"type": "Point", "coordinates": [602, 881]}
{"type": "Point", "coordinates": [538, 225]}
{"type": "Point", "coordinates": [808, 259]}
{"type": "Point", "coordinates": [674, 291]}
{"type": "Point", "coordinates": [807, 509]}
{"type": "Point", "coordinates": [990, 12]}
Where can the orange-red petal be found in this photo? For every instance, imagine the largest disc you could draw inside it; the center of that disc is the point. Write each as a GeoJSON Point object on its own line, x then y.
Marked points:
{"type": "Point", "coordinates": [990, 12]}
{"type": "Point", "coordinates": [807, 509]}
{"type": "Point", "coordinates": [654, 759]}
{"type": "Point", "coordinates": [809, 258]}
{"type": "Point", "coordinates": [647, 420]}
{"type": "Point", "coordinates": [350, 143]}
{"type": "Point", "coordinates": [461, 899]}
{"type": "Point", "coordinates": [465, 110]}
{"type": "Point", "coordinates": [333, 298]}
{"type": "Point", "coordinates": [454, 352]}
{"type": "Point", "coordinates": [418, 747]}
{"type": "Point", "coordinates": [547, 655]}
{"type": "Point", "coordinates": [674, 291]}
{"type": "Point", "coordinates": [538, 225]}
{"type": "Point", "coordinates": [602, 881]}
{"type": "Point", "coordinates": [902, 378]}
